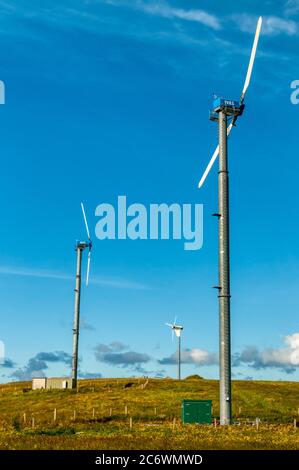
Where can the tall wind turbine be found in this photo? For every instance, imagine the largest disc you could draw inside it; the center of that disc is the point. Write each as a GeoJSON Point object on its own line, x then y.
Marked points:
{"type": "Point", "coordinates": [80, 247]}
{"type": "Point", "coordinates": [177, 330]}
{"type": "Point", "coordinates": [226, 113]}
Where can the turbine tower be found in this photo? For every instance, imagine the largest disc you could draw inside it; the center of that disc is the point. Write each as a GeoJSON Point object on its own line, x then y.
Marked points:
{"type": "Point", "coordinates": [178, 332]}
{"type": "Point", "coordinates": [226, 113]}
{"type": "Point", "coordinates": [80, 247]}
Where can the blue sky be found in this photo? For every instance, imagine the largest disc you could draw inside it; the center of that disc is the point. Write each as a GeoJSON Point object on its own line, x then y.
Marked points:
{"type": "Point", "coordinates": [108, 98]}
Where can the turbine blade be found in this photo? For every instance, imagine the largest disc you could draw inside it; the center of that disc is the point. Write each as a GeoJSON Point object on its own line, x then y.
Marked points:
{"type": "Point", "coordinates": [175, 320]}
{"type": "Point", "coordinates": [213, 159]}
{"type": "Point", "coordinates": [88, 267]}
{"type": "Point", "coordinates": [252, 57]}
{"type": "Point", "coordinates": [168, 324]}
{"type": "Point", "coordinates": [85, 220]}
{"type": "Point", "coordinates": [172, 336]}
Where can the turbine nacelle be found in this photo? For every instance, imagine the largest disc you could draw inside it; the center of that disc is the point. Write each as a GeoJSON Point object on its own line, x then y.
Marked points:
{"type": "Point", "coordinates": [83, 245]}
{"type": "Point", "coordinates": [229, 107]}
{"type": "Point", "coordinates": [177, 329]}
{"type": "Point", "coordinates": [233, 108]}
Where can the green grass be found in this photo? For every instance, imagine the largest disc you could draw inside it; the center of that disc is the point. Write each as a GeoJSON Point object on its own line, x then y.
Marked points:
{"type": "Point", "coordinates": [152, 410]}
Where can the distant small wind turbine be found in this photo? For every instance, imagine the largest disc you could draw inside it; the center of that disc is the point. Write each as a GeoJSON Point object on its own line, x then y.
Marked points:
{"type": "Point", "coordinates": [177, 330]}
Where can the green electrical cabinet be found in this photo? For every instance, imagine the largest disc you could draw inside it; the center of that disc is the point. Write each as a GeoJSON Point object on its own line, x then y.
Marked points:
{"type": "Point", "coordinates": [197, 411]}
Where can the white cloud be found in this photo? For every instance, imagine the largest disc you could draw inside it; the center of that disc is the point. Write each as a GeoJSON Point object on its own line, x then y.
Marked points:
{"type": "Point", "coordinates": [201, 357]}
{"type": "Point", "coordinates": [286, 358]}
{"type": "Point", "coordinates": [198, 357]}
{"type": "Point", "coordinates": [292, 341]}
{"type": "Point", "coordinates": [272, 25]}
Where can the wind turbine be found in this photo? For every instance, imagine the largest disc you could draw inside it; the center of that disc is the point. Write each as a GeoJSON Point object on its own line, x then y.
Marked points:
{"type": "Point", "coordinates": [80, 247]}
{"type": "Point", "coordinates": [177, 330]}
{"type": "Point", "coordinates": [226, 113]}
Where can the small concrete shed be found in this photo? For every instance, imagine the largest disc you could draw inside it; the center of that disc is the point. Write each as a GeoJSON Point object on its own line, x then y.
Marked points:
{"type": "Point", "coordinates": [40, 383]}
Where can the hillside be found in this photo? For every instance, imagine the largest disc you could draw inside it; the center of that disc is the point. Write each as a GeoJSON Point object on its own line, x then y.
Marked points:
{"type": "Point", "coordinates": [98, 415]}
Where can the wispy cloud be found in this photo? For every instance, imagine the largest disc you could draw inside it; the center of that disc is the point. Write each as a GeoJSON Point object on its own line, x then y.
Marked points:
{"type": "Point", "coordinates": [198, 357]}
{"type": "Point", "coordinates": [272, 25]}
{"type": "Point", "coordinates": [292, 7]}
{"type": "Point", "coordinates": [113, 282]}
{"type": "Point", "coordinates": [285, 359]}
{"type": "Point", "coordinates": [84, 325]}
{"type": "Point", "coordinates": [246, 22]}
{"type": "Point", "coordinates": [28, 272]}
{"type": "Point", "coordinates": [119, 283]}
{"type": "Point", "coordinates": [164, 10]}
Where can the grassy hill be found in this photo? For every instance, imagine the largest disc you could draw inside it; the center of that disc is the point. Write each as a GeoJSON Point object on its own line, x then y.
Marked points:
{"type": "Point", "coordinates": [98, 416]}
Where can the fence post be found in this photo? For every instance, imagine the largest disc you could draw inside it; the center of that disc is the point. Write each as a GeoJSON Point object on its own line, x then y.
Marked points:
{"type": "Point", "coordinates": [257, 422]}
{"type": "Point", "coordinates": [295, 423]}
{"type": "Point", "coordinates": [55, 414]}
{"type": "Point", "coordinates": [131, 423]}
{"type": "Point", "coordinates": [110, 411]}
{"type": "Point", "coordinates": [93, 413]}
{"type": "Point", "coordinates": [24, 418]}
{"type": "Point", "coordinates": [74, 415]}
{"type": "Point", "coordinates": [155, 411]}
{"type": "Point", "coordinates": [33, 422]}
{"type": "Point", "coordinates": [215, 422]}
{"type": "Point", "coordinates": [126, 410]}
{"type": "Point", "coordinates": [173, 423]}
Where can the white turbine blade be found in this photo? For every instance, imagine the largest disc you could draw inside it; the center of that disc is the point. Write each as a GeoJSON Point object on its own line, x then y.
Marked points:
{"type": "Point", "coordinates": [168, 324]}
{"type": "Point", "coordinates": [172, 334]}
{"type": "Point", "coordinates": [252, 56]}
{"type": "Point", "coordinates": [207, 171]}
{"type": "Point", "coordinates": [85, 220]}
{"type": "Point", "coordinates": [88, 268]}
{"type": "Point", "coordinates": [175, 320]}
{"type": "Point", "coordinates": [212, 161]}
